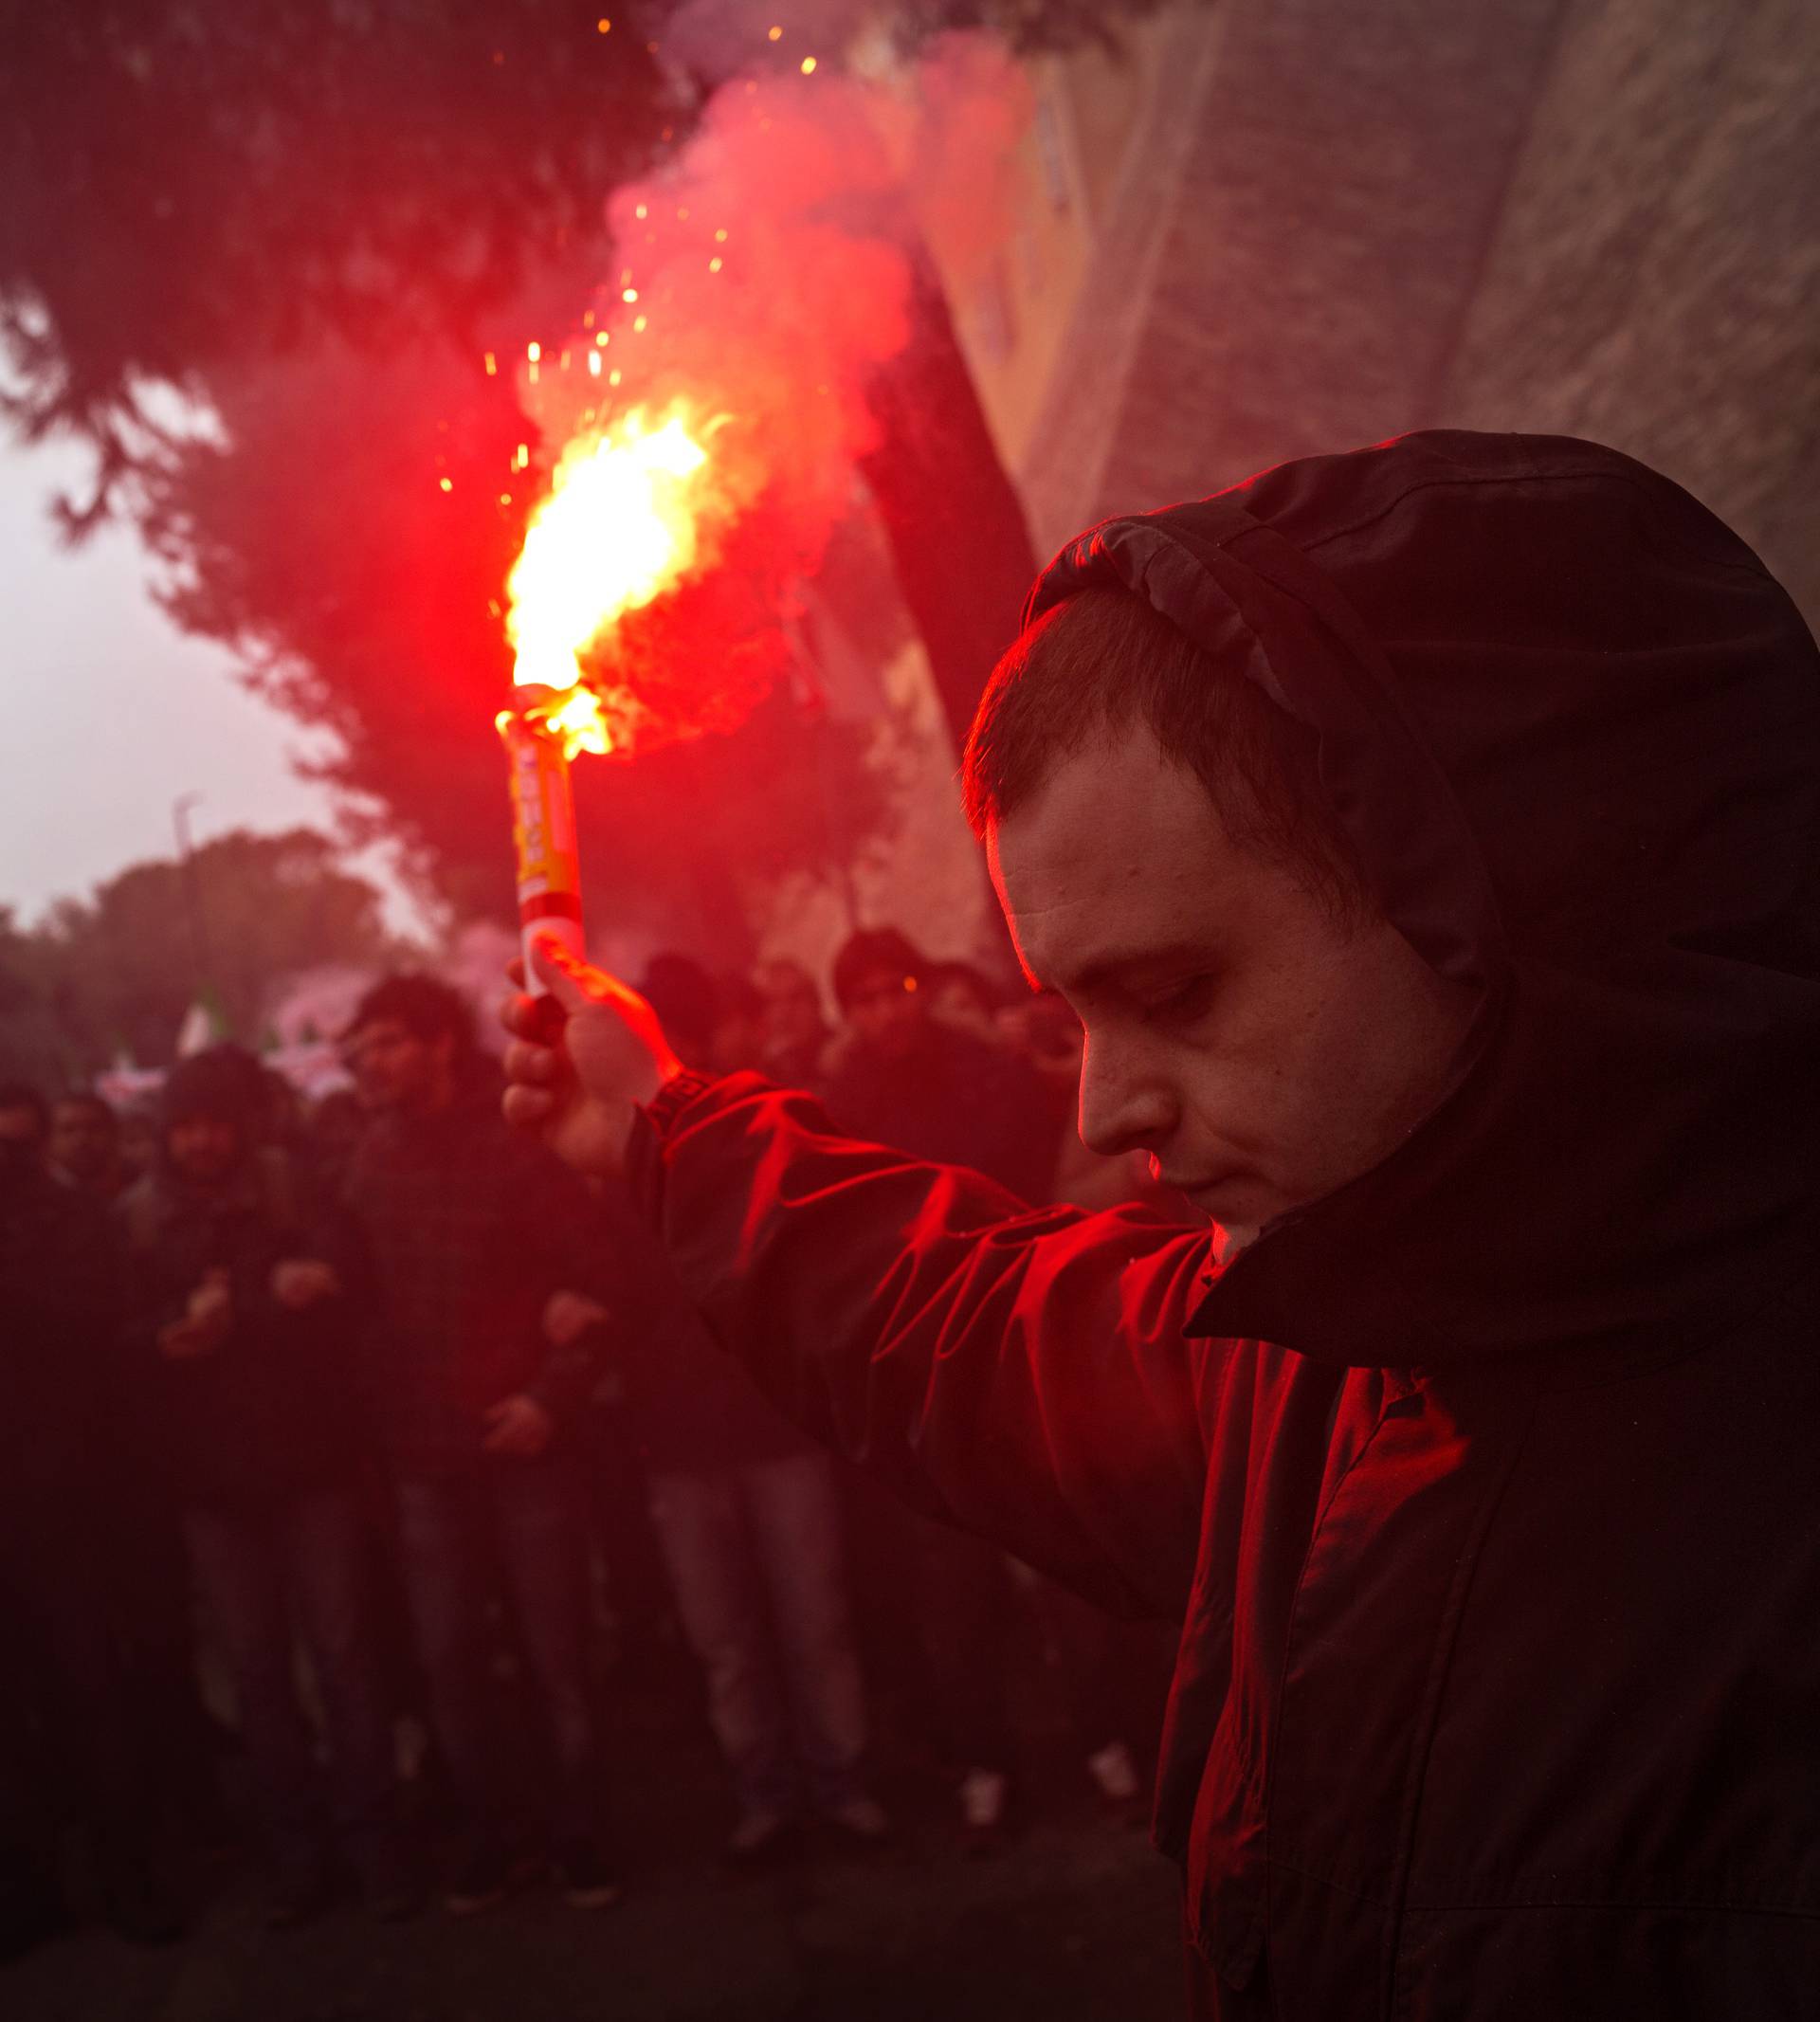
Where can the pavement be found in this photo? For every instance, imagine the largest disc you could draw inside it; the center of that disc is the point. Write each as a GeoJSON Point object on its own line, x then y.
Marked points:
{"type": "Point", "coordinates": [1073, 1920]}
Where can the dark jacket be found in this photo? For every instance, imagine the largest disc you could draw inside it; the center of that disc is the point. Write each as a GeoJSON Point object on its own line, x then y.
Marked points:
{"type": "Point", "coordinates": [692, 1411]}
{"type": "Point", "coordinates": [466, 1227]}
{"type": "Point", "coordinates": [275, 1410]}
{"type": "Point", "coordinates": [61, 1284]}
{"type": "Point", "coordinates": [1501, 1574]}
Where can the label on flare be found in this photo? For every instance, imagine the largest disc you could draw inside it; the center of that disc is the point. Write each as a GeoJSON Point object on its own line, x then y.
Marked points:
{"type": "Point", "coordinates": [543, 827]}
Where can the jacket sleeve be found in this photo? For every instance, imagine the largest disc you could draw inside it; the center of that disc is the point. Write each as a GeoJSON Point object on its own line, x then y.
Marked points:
{"type": "Point", "coordinates": [1023, 1375]}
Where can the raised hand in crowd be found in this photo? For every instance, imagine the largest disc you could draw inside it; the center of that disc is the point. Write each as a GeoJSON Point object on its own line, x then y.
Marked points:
{"type": "Point", "coordinates": [300, 1283]}
{"type": "Point", "coordinates": [206, 1324]}
{"type": "Point", "coordinates": [567, 1316]}
{"type": "Point", "coordinates": [518, 1427]}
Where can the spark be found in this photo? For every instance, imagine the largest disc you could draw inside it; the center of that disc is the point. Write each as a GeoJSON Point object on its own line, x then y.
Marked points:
{"type": "Point", "coordinates": [637, 325]}
{"type": "Point", "coordinates": [603, 27]}
{"type": "Point", "coordinates": [721, 236]}
{"type": "Point", "coordinates": [593, 363]}
{"type": "Point", "coordinates": [492, 363]}
{"type": "Point", "coordinates": [776, 34]}
{"type": "Point", "coordinates": [533, 351]}
{"type": "Point", "coordinates": [602, 336]}
{"type": "Point", "coordinates": [628, 294]}
{"type": "Point", "coordinates": [715, 264]}
{"type": "Point", "coordinates": [643, 212]}
{"type": "Point", "coordinates": [808, 67]}
{"type": "Point", "coordinates": [447, 483]}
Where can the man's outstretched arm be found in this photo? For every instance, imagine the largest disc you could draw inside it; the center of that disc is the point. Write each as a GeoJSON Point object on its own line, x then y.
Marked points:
{"type": "Point", "coordinates": [1024, 1374]}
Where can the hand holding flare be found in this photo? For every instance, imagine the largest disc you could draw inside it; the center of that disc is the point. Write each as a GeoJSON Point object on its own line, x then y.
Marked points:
{"type": "Point", "coordinates": [579, 1077]}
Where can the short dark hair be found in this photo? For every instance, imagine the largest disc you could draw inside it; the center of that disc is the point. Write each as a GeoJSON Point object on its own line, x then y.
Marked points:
{"type": "Point", "coordinates": [224, 1081]}
{"type": "Point", "coordinates": [971, 977]}
{"type": "Point", "coordinates": [424, 1005]}
{"type": "Point", "coordinates": [870, 948]}
{"type": "Point", "coordinates": [1104, 658]}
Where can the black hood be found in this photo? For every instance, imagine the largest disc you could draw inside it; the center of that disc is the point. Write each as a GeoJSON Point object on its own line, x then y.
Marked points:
{"type": "Point", "coordinates": [1571, 725]}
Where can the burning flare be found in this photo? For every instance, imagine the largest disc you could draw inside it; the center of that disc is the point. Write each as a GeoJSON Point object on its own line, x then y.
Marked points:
{"type": "Point", "coordinates": [623, 524]}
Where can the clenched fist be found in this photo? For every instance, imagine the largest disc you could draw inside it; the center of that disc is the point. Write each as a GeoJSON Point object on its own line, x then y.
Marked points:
{"type": "Point", "coordinates": [582, 1059]}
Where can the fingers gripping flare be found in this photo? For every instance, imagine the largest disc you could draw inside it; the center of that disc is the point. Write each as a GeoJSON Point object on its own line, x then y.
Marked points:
{"type": "Point", "coordinates": [585, 1053]}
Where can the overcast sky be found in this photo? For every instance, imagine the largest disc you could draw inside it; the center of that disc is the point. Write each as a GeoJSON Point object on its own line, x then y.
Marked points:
{"type": "Point", "coordinates": [112, 713]}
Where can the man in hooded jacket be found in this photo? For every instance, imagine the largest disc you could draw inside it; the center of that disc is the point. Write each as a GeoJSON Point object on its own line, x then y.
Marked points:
{"type": "Point", "coordinates": [1476, 1452]}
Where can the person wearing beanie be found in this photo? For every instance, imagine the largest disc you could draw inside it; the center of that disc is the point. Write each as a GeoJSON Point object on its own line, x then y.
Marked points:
{"type": "Point", "coordinates": [491, 1295]}
{"type": "Point", "coordinates": [73, 1746]}
{"type": "Point", "coordinates": [244, 1337]}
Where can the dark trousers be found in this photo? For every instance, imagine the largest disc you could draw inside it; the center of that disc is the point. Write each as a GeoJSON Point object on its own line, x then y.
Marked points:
{"type": "Point", "coordinates": [70, 1740]}
{"type": "Point", "coordinates": [755, 1553]}
{"type": "Point", "coordinates": [267, 1577]}
{"type": "Point", "coordinates": [516, 1523]}
{"type": "Point", "coordinates": [965, 1605]}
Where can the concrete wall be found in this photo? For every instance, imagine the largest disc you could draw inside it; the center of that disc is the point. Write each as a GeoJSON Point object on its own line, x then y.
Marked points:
{"type": "Point", "coordinates": [1335, 222]}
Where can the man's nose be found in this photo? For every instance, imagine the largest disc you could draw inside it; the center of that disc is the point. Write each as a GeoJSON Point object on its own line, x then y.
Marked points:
{"type": "Point", "coordinates": [1124, 1109]}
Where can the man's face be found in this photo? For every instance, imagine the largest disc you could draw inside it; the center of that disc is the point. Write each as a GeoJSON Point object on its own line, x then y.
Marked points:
{"type": "Point", "coordinates": [82, 1142]}
{"type": "Point", "coordinates": [22, 1146]}
{"type": "Point", "coordinates": [394, 1069]}
{"type": "Point", "coordinates": [203, 1149]}
{"type": "Point", "coordinates": [1260, 1051]}
{"type": "Point", "coordinates": [885, 1010]}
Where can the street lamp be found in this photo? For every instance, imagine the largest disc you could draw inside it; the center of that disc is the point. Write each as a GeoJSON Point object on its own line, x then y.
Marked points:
{"type": "Point", "coordinates": [192, 888]}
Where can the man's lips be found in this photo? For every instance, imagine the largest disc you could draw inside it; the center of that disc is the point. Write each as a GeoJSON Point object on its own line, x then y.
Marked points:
{"type": "Point", "coordinates": [1202, 1191]}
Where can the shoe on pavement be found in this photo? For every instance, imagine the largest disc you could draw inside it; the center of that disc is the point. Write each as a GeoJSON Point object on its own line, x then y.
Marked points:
{"type": "Point", "coordinates": [861, 1818]}
{"type": "Point", "coordinates": [761, 1837]}
{"type": "Point", "coordinates": [140, 1908]}
{"type": "Point", "coordinates": [298, 1899]}
{"type": "Point", "coordinates": [391, 1884]}
{"type": "Point", "coordinates": [482, 1880]}
{"type": "Point", "coordinates": [1115, 1777]}
{"type": "Point", "coordinates": [983, 1794]}
{"type": "Point", "coordinates": [587, 1881]}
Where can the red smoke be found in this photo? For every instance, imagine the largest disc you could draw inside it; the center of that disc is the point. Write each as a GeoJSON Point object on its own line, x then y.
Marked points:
{"type": "Point", "coordinates": [763, 276]}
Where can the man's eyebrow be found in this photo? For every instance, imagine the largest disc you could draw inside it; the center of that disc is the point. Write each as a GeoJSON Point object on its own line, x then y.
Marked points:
{"type": "Point", "coordinates": [1116, 965]}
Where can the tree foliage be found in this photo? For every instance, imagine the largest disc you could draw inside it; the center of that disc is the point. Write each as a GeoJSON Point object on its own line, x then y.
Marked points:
{"type": "Point", "coordinates": [120, 971]}
{"type": "Point", "coordinates": [198, 185]}
{"type": "Point", "coordinates": [310, 217]}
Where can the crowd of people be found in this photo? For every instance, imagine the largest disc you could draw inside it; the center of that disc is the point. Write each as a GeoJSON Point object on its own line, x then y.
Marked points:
{"type": "Point", "coordinates": [340, 1406]}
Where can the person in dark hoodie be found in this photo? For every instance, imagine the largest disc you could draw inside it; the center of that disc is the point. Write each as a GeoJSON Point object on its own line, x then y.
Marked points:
{"type": "Point", "coordinates": [72, 1741]}
{"type": "Point", "coordinates": [480, 1251]}
{"type": "Point", "coordinates": [244, 1350]}
{"type": "Point", "coordinates": [1430, 840]}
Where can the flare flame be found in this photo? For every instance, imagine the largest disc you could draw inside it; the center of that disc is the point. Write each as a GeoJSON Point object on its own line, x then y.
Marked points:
{"type": "Point", "coordinates": [623, 524]}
